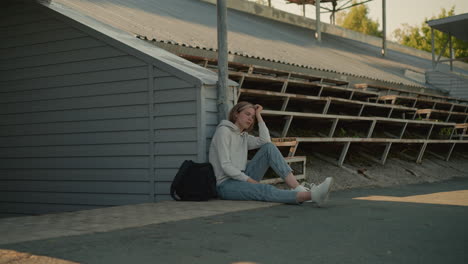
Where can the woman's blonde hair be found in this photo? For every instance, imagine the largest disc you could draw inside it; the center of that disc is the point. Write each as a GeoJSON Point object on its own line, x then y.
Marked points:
{"type": "Point", "coordinates": [239, 107]}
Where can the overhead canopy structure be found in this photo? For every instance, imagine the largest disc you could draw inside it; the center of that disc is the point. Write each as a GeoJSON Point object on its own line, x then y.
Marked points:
{"type": "Point", "coordinates": [335, 8]}
{"type": "Point", "coordinates": [453, 26]}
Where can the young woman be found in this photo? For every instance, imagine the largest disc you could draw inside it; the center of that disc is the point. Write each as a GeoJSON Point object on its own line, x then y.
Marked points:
{"type": "Point", "coordinates": [239, 180]}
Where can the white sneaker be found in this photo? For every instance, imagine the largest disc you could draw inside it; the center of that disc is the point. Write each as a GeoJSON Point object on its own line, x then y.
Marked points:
{"type": "Point", "coordinates": [301, 188]}
{"type": "Point", "coordinates": [321, 192]}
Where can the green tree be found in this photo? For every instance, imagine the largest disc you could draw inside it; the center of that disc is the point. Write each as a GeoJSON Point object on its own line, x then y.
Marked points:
{"type": "Point", "coordinates": [420, 37]}
{"type": "Point", "coordinates": [357, 19]}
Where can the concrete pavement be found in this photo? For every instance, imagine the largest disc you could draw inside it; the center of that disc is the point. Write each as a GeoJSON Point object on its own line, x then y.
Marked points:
{"type": "Point", "coordinates": [28, 228]}
{"type": "Point", "coordinates": [397, 229]}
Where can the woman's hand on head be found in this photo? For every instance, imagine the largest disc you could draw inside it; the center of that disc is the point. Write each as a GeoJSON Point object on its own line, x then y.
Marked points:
{"type": "Point", "coordinates": [258, 108]}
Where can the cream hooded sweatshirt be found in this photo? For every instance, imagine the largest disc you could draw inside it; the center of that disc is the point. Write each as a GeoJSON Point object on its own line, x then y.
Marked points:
{"type": "Point", "coordinates": [228, 150]}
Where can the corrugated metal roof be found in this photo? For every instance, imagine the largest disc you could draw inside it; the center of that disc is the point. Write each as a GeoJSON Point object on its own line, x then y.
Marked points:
{"type": "Point", "coordinates": [193, 23]}
{"type": "Point", "coordinates": [455, 84]}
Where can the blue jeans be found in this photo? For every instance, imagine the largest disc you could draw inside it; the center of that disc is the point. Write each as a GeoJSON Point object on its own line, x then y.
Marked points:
{"type": "Point", "coordinates": [267, 156]}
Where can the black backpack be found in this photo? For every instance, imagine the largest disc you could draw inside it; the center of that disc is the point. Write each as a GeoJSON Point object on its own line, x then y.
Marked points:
{"type": "Point", "coordinates": [194, 182]}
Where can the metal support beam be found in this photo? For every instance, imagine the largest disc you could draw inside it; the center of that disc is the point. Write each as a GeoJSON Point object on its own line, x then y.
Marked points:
{"type": "Point", "coordinates": [385, 153]}
{"type": "Point", "coordinates": [450, 152]}
{"type": "Point", "coordinates": [414, 104]}
{"type": "Point", "coordinates": [433, 49]}
{"type": "Point", "coordinates": [371, 129]}
{"type": "Point", "coordinates": [333, 127]}
{"type": "Point", "coordinates": [327, 106]}
{"type": "Point", "coordinates": [384, 28]}
{"type": "Point", "coordinates": [241, 82]}
{"type": "Point", "coordinates": [285, 84]}
{"type": "Point", "coordinates": [320, 91]}
{"type": "Point", "coordinates": [286, 126]}
{"type": "Point", "coordinates": [390, 113]}
{"type": "Point", "coordinates": [402, 133]}
{"type": "Point", "coordinates": [284, 87]}
{"type": "Point", "coordinates": [421, 153]}
{"type": "Point", "coordinates": [318, 33]}
{"type": "Point", "coordinates": [451, 107]}
{"type": "Point", "coordinates": [361, 110]}
{"type": "Point", "coordinates": [448, 117]}
{"type": "Point", "coordinates": [430, 132]}
{"type": "Point", "coordinates": [222, 60]}
{"type": "Point", "coordinates": [451, 51]}
{"type": "Point", "coordinates": [453, 132]}
{"type": "Point", "coordinates": [441, 52]}
{"type": "Point", "coordinates": [285, 104]}
{"type": "Point", "coordinates": [343, 153]}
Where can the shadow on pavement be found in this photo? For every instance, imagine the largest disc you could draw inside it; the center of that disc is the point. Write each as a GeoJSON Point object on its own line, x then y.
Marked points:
{"type": "Point", "coordinates": [347, 231]}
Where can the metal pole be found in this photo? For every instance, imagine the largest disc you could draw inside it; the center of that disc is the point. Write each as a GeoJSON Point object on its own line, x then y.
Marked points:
{"type": "Point", "coordinates": [384, 28]}
{"type": "Point", "coordinates": [269, 3]}
{"type": "Point", "coordinates": [318, 34]}
{"type": "Point", "coordinates": [222, 60]}
{"type": "Point", "coordinates": [451, 51]}
{"type": "Point", "coordinates": [442, 51]}
{"type": "Point", "coordinates": [433, 49]}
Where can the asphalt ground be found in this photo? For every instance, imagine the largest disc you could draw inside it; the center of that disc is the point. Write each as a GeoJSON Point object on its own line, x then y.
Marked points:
{"type": "Point", "coordinates": [417, 225]}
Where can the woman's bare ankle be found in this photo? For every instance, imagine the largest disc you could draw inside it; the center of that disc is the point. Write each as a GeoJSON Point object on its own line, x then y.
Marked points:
{"type": "Point", "coordinates": [291, 181]}
{"type": "Point", "coordinates": [303, 196]}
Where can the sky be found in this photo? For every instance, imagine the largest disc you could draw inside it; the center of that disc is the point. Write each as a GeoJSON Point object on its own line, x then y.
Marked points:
{"type": "Point", "coordinates": [412, 12]}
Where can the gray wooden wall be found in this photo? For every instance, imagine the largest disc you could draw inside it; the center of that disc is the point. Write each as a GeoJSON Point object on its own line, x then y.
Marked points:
{"type": "Point", "coordinates": [176, 128]}
{"type": "Point", "coordinates": [209, 106]}
{"type": "Point", "coordinates": [83, 124]}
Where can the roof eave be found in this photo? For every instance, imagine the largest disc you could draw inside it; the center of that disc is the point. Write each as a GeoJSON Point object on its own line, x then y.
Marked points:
{"type": "Point", "coordinates": [153, 55]}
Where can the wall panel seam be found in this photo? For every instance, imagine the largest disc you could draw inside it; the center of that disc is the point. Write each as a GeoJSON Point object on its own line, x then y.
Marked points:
{"type": "Point", "coordinates": [151, 114]}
